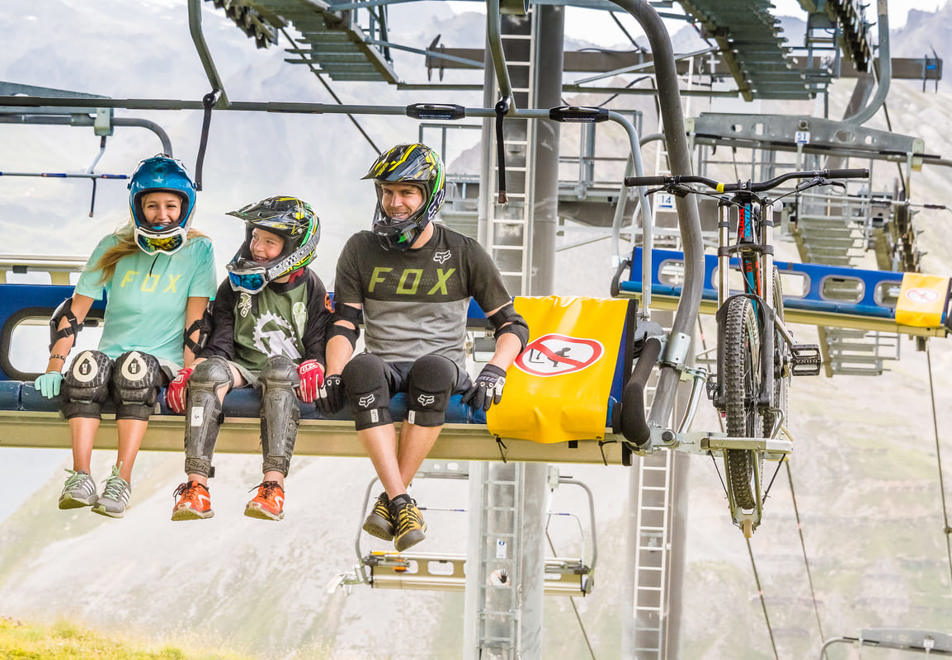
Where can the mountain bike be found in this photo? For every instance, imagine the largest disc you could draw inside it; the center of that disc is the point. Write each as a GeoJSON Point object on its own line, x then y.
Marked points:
{"type": "Point", "coordinates": [756, 353]}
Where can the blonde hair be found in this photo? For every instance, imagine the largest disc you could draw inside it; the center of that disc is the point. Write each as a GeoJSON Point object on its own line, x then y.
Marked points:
{"type": "Point", "coordinates": [126, 246]}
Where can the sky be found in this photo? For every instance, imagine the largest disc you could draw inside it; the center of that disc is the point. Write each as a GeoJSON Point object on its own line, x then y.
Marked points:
{"type": "Point", "coordinates": [588, 25]}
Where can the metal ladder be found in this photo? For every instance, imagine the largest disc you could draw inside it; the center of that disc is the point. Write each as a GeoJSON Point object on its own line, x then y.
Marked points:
{"type": "Point", "coordinates": [651, 556]}
{"type": "Point", "coordinates": [501, 505]}
{"type": "Point", "coordinates": [509, 237]}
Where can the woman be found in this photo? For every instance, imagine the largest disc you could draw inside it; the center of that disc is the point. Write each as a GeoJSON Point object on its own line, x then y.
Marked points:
{"type": "Point", "coordinates": [158, 276]}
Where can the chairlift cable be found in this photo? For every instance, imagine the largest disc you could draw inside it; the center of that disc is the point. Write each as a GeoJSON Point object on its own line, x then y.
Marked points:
{"type": "Point", "coordinates": [317, 74]}
{"type": "Point", "coordinates": [578, 617]}
{"type": "Point", "coordinates": [803, 547]}
{"type": "Point", "coordinates": [772, 479]}
{"type": "Point", "coordinates": [938, 457]}
{"type": "Point", "coordinates": [763, 603]}
{"type": "Point", "coordinates": [627, 34]}
{"type": "Point", "coordinates": [902, 178]}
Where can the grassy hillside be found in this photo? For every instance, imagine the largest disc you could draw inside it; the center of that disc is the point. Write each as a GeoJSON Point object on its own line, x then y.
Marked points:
{"type": "Point", "coordinates": [62, 641]}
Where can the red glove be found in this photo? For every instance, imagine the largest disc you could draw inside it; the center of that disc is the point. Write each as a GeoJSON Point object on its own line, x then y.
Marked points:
{"type": "Point", "coordinates": [175, 392]}
{"type": "Point", "coordinates": [312, 379]}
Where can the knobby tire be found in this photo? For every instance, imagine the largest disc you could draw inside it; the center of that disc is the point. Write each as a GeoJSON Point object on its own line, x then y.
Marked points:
{"type": "Point", "coordinates": [742, 378]}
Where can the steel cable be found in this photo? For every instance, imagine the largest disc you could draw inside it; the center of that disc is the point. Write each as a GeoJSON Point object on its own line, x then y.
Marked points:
{"type": "Point", "coordinates": [763, 603]}
{"type": "Point", "coordinates": [803, 547]}
{"type": "Point", "coordinates": [298, 51]}
{"type": "Point", "coordinates": [938, 457]}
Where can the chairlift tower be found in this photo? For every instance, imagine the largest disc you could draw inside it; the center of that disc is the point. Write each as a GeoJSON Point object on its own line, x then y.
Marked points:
{"type": "Point", "coordinates": [508, 502]}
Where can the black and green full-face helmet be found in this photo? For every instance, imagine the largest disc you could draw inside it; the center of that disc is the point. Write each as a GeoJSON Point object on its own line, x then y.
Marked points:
{"type": "Point", "coordinates": [290, 218]}
{"type": "Point", "coordinates": [416, 164]}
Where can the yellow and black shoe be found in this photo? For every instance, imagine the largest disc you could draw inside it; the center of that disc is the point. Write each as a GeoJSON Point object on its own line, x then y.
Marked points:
{"type": "Point", "coordinates": [409, 528]}
{"type": "Point", "coordinates": [379, 523]}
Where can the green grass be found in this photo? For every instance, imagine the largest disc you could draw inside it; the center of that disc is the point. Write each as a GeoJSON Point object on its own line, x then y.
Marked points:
{"type": "Point", "coordinates": [21, 640]}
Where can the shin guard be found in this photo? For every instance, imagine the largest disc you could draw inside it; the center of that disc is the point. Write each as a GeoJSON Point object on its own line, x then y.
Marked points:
{"type": "Point", "coordinates": [279, 413]}
{"type": "Point", "coordinates": [203, 413]}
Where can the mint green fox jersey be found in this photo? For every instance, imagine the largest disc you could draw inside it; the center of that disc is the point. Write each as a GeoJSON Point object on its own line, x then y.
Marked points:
{"type": "Point", "coordinates": [146, 297]}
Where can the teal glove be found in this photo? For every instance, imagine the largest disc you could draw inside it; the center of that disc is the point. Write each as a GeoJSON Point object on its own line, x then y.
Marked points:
{"type": "Point", "coordinates": [49, 384]}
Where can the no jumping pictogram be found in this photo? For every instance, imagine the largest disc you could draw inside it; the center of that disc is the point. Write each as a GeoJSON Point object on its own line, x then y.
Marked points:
{"type": "Point", "coordinates": [922, 296]}
{"type": "Point", "coordinates": [554, 355]}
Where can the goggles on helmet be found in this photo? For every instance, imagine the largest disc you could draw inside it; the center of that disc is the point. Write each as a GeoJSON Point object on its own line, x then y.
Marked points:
{"type": "Point", "coordinates": [250, 279]}
{"type": "Point", "coordinates": [152, 243]}
{"type": "Point", "coordinates": [249, 276]}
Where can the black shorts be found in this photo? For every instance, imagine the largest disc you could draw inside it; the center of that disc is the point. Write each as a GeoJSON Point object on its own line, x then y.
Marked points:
{"type": "Point", "coordinates": [397, 373]}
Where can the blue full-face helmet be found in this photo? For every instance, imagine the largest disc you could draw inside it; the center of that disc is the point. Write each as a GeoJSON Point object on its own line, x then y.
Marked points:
{"type": "Point", "coordinates": [161, 174]}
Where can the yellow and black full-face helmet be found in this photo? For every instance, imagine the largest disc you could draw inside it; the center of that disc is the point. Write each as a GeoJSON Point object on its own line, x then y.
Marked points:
{"type": "Point", "coordinates": [290, 218]}
{"type": "Point", "coordinates": [415, 164]}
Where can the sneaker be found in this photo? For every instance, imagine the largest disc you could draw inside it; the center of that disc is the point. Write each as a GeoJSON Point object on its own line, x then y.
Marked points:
{"type": "Point", "coordinates": [409, 527]}
{"type": "Point", "coordinates": [115, 496]}
{"type": "Point", "coordinates": [379, 523]}
{"type": "Point", "coordinates": [194, 504]}
{"type": "Point", "coordinates": [80, 490]}
{"type": "Point", "coordinates": [268, 504]}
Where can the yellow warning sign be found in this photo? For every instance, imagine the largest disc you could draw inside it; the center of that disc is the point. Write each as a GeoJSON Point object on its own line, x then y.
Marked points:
{"type": "Point", "coordinates": [922, 300]}
{"type": "Point", "coordinates": [558, 388]}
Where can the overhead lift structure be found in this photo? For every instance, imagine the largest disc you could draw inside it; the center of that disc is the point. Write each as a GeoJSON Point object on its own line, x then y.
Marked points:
{"type": "Point", "coordinates": [332, 42]}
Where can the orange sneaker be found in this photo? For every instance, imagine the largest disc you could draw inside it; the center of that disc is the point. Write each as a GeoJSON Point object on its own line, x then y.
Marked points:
{"type": "Point", "coordinates": [268, 504]}
{"type": "Point", "coordinates": [194, 504]}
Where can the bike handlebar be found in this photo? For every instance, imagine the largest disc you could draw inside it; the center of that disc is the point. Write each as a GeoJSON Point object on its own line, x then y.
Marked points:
{"type": "Point", "coordinates": [860, 173]}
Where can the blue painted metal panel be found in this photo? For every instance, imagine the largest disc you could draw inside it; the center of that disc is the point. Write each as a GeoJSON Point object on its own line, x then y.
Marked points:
{"type": "Point", "coordinates": [814, 274]}
{"type": "Point", "coordinates": [17, 300]}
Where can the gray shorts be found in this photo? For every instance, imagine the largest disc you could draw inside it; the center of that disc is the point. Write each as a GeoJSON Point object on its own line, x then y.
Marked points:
{"type": "Point", "coordinates": [251, 377]}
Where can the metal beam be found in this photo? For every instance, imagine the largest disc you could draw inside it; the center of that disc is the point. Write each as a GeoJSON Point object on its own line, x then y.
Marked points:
{"type": "Point", "coordinates": [906, 68]}
{"type": "Point", "coordinates": [242, 435]}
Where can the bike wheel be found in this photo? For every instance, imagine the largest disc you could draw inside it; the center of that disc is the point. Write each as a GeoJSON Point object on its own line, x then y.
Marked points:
{"type": "Point", "coordinates": [742, 384]}
{"type": "Point", "coordinates": [781, 364]}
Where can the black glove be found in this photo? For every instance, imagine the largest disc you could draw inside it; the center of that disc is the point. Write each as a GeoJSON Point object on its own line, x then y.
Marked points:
{"type": "Point", "coordinates": [487, 389]}
{"type": "Point", "coordinates": [330, 396]}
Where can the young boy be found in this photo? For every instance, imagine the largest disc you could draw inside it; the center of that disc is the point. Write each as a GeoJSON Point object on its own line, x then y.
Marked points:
{"type": "Point", "coordinates": [268, 332]}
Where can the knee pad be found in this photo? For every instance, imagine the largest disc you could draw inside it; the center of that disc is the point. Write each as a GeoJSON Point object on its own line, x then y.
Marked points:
{"type": "Point", "coordinates": [279, 413]}
{"type": "Point", "coordinates": [430, 382]}
{"type": "Point", "coordinates": [365, 384]}
{"type": "Point", "coordinates": [136, 378]}
{"type": "Point", "coordinates": [203, 413]}
{"type": "Point", "coordinates": [86, 385]}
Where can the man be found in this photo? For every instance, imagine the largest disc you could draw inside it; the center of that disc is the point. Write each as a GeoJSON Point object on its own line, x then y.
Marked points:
{"type": "Point", "coordinates": [411, 281]}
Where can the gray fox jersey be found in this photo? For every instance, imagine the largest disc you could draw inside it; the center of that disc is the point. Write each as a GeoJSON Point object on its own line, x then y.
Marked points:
{"type": "Point", "coordinates": [286, 319]}
{"type": "Point", "coordinates": [416, 301]}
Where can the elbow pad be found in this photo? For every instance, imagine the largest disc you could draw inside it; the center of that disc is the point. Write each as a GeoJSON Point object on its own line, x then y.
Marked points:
{"type": "Point", "coordinates": [509, 320]}
{"type": "Point", "coordinates": [351, 315]}
{"type": "Point", "coordinates": [65, 309]}
{"type": "Point", "coordinates": [204, 326]}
